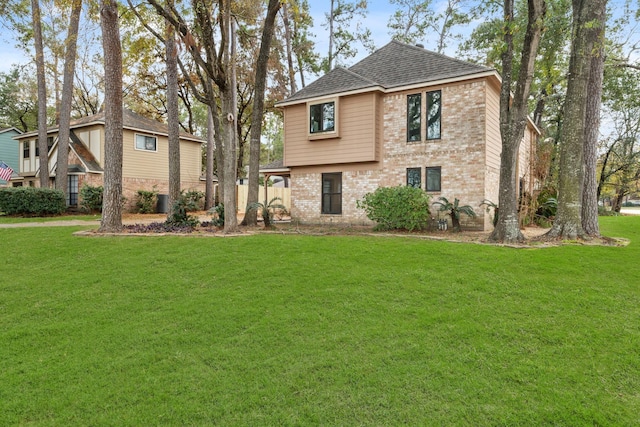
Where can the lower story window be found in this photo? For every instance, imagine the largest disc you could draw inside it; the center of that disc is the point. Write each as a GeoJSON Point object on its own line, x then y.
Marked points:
{"type": "Point", "coordinates": [332, 193]}
{"type": "Point", "coordinates": [413, 177]}
{"type": "Point", "coordinates": [433, 178]}
{"type": "Point", "coordinates": [72, 199]}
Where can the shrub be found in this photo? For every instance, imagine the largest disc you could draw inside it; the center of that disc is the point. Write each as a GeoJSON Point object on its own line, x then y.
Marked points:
{"type": "Point", "coordinates": [179, 211]}
{"type": "Point", "coordinates": [146, 201]}
{"type": "Point", "coordinates": [32, 201]}
{"type": "Point", "coordinates": [397, 208]}
{"type": "Point", "coordinates": [91, 198]}
{"type": "Point", "coordinates": [195, 200]}
{"type": "Point", "coordinates": [217, 212]}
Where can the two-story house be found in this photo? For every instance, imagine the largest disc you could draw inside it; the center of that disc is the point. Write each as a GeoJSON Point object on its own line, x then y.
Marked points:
{"type": "Point", "coordinates": [401, 116]}
{"type": "Point", "coordinates": [145, 157]}
{"type": "Point", "coordinates": [8, 151]}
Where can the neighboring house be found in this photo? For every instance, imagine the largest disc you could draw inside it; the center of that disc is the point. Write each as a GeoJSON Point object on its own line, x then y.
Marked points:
{"type": "Point", "coordinates": [401, 116]}
{"type": "Point", "coordinates": [145, 158]}
{"type": "Point", "coordinates": [9, 152]}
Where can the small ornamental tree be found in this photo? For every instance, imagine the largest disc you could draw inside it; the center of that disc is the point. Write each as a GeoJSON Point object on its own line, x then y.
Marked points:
{"type": "Point", "coordinates": [266, 210]}
{"type": "Point", "coordinates": [454, 210]}
{"type": "Point", "coordinates": [397, 208]}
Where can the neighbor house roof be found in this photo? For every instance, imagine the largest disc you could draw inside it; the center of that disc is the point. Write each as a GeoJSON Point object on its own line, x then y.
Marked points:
{"type": "Point", "coordinates": [393, 66]}
{"type": "Point", "coordinates": [3, 130]}
{"type": "Point", "coordinates": [274, 167]}
{"type": "Point", "coordinates": [130, 120]}
{"type": "Point", "coordinates": [84, 155]}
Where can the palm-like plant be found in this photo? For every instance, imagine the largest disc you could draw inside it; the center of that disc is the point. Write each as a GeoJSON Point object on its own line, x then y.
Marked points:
{"type": "Point", "coordinates": [454, 210]}
{"type": "Point", "coordinates": [489, 204]}
{"type": "Point", "coordinates": [266, 208]}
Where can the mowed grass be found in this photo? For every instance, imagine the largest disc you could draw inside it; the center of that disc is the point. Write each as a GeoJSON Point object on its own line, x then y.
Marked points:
{"type": "Point", "coordinates": [302, 330]}
{"type": "Point", "coordinates": [18, 220]}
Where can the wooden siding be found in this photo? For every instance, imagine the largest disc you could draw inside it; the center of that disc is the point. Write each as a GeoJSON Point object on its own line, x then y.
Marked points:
{"type": "Point", "coordinates": [9, 150]}
{"type": "Point", "coordinates": [190, 162]}
{"type": "Point", "coordinates": [155, 164]}
{"type": "Point", "coordinates": [494, 141]}
{"type": "Point", "coordinates": [93, 139]}
{"type": "Point", "coordinates": [356, 142]}
{"type": "Point", "coordinates": [28, 165]}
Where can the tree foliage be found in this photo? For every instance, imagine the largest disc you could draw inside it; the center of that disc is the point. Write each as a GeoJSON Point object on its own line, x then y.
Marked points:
{"type": "Point", "coordinates": [345, 31]}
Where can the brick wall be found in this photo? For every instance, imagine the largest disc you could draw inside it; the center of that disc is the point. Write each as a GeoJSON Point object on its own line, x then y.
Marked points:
{"type": "Point", "coordinates": [130, 187]}
{"type": "Point", "coordinates": [460, 153]}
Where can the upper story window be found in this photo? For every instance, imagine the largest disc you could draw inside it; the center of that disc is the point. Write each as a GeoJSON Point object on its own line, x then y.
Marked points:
{"type": "Point", "coordinates": [434, 110]}
{"type": "Point", "coordinates": [49, 145]}
{"type": "Point", "coordinates": [414, 112]}
{"type": "Point", "coordinates": [26, 149]}
{"type": "Point", "coordinates": [322, 117]}
{"type": "Point", "coordinates": [146, 142]}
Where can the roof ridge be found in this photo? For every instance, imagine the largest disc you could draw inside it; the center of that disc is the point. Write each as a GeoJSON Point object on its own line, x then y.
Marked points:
{"type": "Point", "coordinates": [433, 52]}
{"type": "Point", "coordinates": [368, 80]}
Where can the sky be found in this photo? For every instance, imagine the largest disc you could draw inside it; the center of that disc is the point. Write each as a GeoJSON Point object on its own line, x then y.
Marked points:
{"type": "Point", "coordinates": [376, 21]}
{"type": "Point", "coordinates": [377, 18]}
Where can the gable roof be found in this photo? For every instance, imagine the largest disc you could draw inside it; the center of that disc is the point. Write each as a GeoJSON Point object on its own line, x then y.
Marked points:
{"type": "Point", "coordinates": [3, 130]}
{"type": "Point", "coordinates": [130, 121]}
{"type": "Point", "coordinates": [84, 154]}
{"type": "Point", "coordinates": [393, 66]}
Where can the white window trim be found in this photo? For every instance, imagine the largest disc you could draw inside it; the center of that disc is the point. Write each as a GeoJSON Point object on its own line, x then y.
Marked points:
{"type": "Point", "coordinates": [146, 135]}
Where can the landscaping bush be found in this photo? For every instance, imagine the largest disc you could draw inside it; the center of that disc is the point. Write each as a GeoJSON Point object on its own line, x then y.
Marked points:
{"type": "Point", "coordinates": [194, 200]}
{"type": "Point", "coordinates": [397, 208]}
{"type": "Point", "coordinates": [217, 213]}
{"type": "Point", "coordinates": [180, 210]}
{"type": "Point", "coordinates": [91, 198]}
{"type": "Point", "coordinates": [32, 201]}
{"type": "Point", "coordinates": [146, 201]}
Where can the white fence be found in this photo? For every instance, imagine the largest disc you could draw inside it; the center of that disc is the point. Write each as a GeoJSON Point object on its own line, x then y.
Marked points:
{"type": "Point", "coordinates": [283, 193]}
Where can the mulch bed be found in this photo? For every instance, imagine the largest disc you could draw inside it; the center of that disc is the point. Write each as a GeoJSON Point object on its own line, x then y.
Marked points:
{"type": "Point", "coordinates": [155, 226]}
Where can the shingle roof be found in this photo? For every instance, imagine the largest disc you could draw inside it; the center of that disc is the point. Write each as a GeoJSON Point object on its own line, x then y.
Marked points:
{"type": "Point", "coordinates": [84, 154]}
{"type": "Point", "coordinates": [394, 65]}
{"type": "Point", "coordinates": [277, 166]}
{"type": "Point", "coordinates": [130, 120]}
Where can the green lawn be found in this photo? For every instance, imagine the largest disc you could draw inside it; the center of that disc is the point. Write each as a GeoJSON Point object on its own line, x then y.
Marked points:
{"type": "Point", "coordinates": [17, 220]}
{"type": "Point", "coordinates": [301, 330]}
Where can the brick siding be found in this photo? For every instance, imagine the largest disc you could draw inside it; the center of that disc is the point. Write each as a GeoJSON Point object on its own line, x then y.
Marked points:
{"type": "Point", "coordinates": [460, 153]}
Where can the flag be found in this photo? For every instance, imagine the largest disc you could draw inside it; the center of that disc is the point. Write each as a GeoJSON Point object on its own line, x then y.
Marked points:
{"type": "Point", "coordinates": [5, 171]}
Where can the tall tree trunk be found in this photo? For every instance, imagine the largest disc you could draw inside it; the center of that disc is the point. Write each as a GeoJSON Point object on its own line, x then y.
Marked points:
{"type": "Point", "coordinates": [592, 122]}
{"type": "Point", "coordinates": [173, 119]}
{"type": "Point", "coordinates": [588, 23]}
{"type": "Point", "coordinates": [208, 192]}
{"type": "Point", "coordinates": [513, 116]}
{"type": "Point", "coordinates": [331, 38]}
{"type": "Point", "coordinates": [288, 43]}
{"type": "Point", "coordinates": [250, 216]}
{"type": "Point", "coordinates": [62, 167]}
{"type": "Point", "coordinates": [112, 200]}
{"type": "Point", "coordinates": [230, 110]}
{"type": "Point", "coordinates": [603, 175]}
{"type": "Point", "coordinates": [42, 94]}
{"type": "Point", "coordinates": [219, 152]}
